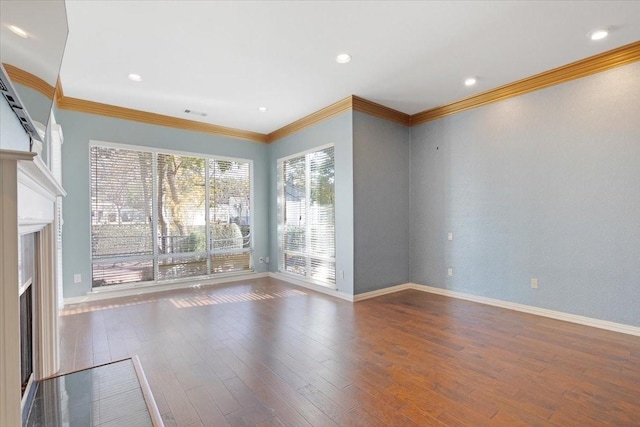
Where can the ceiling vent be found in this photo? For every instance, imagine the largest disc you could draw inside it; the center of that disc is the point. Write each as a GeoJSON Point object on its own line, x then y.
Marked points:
{"type": "Point", "coordinates": [196, 113]}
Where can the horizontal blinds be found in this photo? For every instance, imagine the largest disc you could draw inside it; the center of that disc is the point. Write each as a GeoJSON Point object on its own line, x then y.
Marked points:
{"type": "Point", "coordinates": [320, 219]}
{"type": "Point", "coordinates": [306, 215]}
{"type": "Point", "coordinates": [121, 190]}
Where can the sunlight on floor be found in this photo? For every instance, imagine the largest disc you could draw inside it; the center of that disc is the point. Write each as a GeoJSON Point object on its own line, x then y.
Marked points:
{"type": "Point", "coordinates": [204, 300]}
{"type": "Point", "coordinates": [199, 300]}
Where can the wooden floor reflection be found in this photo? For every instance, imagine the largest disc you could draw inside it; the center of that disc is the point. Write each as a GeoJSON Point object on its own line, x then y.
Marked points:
{"type": "Point", "coordinates": [263, 353]}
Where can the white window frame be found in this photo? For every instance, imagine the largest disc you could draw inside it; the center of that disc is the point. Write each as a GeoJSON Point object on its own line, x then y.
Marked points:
{"type": "Point", "coordinates": [208, 253]}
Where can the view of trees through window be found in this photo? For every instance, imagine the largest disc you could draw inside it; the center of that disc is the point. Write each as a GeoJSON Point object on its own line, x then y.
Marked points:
{"type": "Point", "coordinates": [159, 216]}
{"type": "Point", "coordinates": [306, 215]}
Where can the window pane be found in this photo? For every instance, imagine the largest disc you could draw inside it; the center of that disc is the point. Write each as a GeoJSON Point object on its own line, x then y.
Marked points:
{"type": "Point", "coordinates": [222, 263]}
{"type": "Point", "coordinates": [176, 268]}
{"type": "Point", "coordinates": [181, 204]}
{"type": "Point", "coordinates": [323, 270]}
{"type": "Point", "coordinates": [229, 215]}
{"type": "Point", "coordinates": [114, 273]}
{"type": "Point", "coordinates": [121, 191]}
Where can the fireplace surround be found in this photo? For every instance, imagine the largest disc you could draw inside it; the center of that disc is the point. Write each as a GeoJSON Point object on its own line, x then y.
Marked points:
{"type": "Point", "coordinates": [30, 195]}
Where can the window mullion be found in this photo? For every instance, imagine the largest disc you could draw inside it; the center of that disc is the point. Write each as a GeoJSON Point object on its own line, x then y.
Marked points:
{"type": "Point", "coordinates": [154, 214]}
{"type": "Point", "coordinates": [207, 222]}
{"type": "Point", "coordinates": [307, 211]}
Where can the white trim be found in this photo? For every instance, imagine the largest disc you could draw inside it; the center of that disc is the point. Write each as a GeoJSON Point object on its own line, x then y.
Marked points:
{"type": "Point", "coordinates": [538, 311]}
{"type": "Point", "coordinates": [384, 291]}
{"type": "Point", "coordinates": [105, 294]}
{"type": "Point", "coordinates": [48, 353]}
{"type": "Point", "coordinates": [309, 285]}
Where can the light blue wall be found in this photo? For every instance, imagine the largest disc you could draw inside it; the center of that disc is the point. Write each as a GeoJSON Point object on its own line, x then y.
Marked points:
{"type": "Point", "coordinates": [80, 128]}
{"type": "Point", "coordinates": [545, 185]}
{"type": "Point", "coordinates": [381, 202]}
{"type": "Point", "coordinates": [12, 134]}
{"type": "Point", "coordinates": [339, 131]}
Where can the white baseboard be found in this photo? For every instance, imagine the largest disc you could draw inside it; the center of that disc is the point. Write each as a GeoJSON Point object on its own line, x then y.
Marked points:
{"type": "Point", "coordinates": [147, 289]}
{"type": "Point", "coordinates": [559, 315]}
{"type": "Point", "coordinates": [384, 291]}
{"type": "Point", "coordinates": [305, 284]}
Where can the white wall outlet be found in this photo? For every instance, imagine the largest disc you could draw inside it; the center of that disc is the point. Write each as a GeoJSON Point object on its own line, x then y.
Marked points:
{"type": "Point", "coordinates": [534, 283]}
{"type": "Point", "coordinates": [342, 274]}
{"type": "Point", "coordinates": [266, 259]}
{"type": "Point", "coordinates": [261, 260]}
{"type": "Point", "coordinates": [449, 272]}
{"type": "Point", "coordinates": [450, 236]}
{"type": "Point", "coordinates": [77, 278]}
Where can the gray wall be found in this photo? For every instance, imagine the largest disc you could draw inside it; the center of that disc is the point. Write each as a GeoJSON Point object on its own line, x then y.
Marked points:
{"type": "Point", "coordinates": [381, 202]}
{"type": "Point", "coordinates": [80, 128]}
{"type": "Point", "coordinates": [545, 185]}
{"type": "Point", "coordinates": [339, 131]}
{"type": "Point", "coordinates": [12, 135]}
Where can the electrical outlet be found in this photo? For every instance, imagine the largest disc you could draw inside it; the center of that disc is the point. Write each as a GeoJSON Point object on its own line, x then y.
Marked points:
{"type": "Point", "coordinates": [449, 272]}
{"type": "Point", "coordinates": [450, 236]}
{"type": "Point", "coordinates": [342, 274]}
{"type": "Point", "coordinates": [266, 259]}
{"type": "Point", "coordinates": [77, 278]}
{"type": "Point", "coordinates": [534, 283]}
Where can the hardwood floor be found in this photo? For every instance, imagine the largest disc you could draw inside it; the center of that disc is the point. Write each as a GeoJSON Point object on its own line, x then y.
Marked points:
{"type": "Point", "coordinates": [263, 353]}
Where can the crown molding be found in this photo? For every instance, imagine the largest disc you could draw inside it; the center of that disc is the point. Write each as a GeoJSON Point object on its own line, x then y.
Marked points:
{"type": "Point", "coordinates": [25, 78]}
{"type": "Point", "coordinates": [313, 118]}
{"type": "Point", "coordinates": [377, 110]}
{"type": "Point", "coordinates": [59, 93]}
{"type": "Point", "coordinates": [575, 70]}
{"type": "Point", "coordinates": [90, 107]}
{"type": "Point", "coordinates": [585, 67]}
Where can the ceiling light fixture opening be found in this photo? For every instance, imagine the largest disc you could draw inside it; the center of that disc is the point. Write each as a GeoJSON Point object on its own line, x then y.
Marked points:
{"type": "Point", "coordinates": [343, 58]}
{"type": "Point", "coordinates": [599, 34]}
{"type": "Point", "coordinates": [18, 31]}
{"type": "Point", "coordinates": [262, 109]}
{"type": "Point", "coordinates": [135, 77]}
{"type": "Point", "coordinates": [470, 81]}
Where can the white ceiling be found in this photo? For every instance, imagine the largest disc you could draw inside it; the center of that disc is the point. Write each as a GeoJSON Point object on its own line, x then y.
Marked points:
{"type": "Point", "coordinates": [229, 58]}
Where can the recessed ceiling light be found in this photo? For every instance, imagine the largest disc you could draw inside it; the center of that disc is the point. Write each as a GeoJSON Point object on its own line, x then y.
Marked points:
{"type": "Point", "coordinates": [135, 77]}
{"type": "Point", "coordinates": [19, 31]}
{"type": "Point", "coordinates": [343, 58]}
{"type": "Point", "coordinates": [599, 34]}
{"type": "Point", "coordinates": [470, 81]}
{"type": "Point", "coordinates": [262, 109]}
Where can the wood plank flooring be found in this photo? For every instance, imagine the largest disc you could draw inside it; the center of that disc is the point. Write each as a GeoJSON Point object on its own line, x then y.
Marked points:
{"type": "Point", "coordinates": [263, 353]}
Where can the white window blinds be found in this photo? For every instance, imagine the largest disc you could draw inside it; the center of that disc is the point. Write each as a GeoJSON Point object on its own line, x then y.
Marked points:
{"type": "Point", "coordinates": [306, 215]}
{"type": "Point", "coordinates": [160, 216]}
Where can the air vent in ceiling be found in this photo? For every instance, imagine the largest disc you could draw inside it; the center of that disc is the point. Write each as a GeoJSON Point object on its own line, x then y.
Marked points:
{"type": "Point", "coordinates": [196, 113]}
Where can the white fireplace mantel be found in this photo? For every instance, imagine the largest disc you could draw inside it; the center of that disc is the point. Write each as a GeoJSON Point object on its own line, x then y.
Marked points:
{"type": "Point", "coordinates": [28, 195]}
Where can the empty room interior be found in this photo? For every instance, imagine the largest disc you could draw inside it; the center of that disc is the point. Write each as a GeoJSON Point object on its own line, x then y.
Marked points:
{"type": "Point", "coordinates": [320, 213]}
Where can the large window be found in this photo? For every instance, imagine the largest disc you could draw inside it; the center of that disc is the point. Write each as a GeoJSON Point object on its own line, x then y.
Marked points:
{"type": "Point", "coordinates": [157, 216]}
{"type": "Point", "coordinates": [306, 215]}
